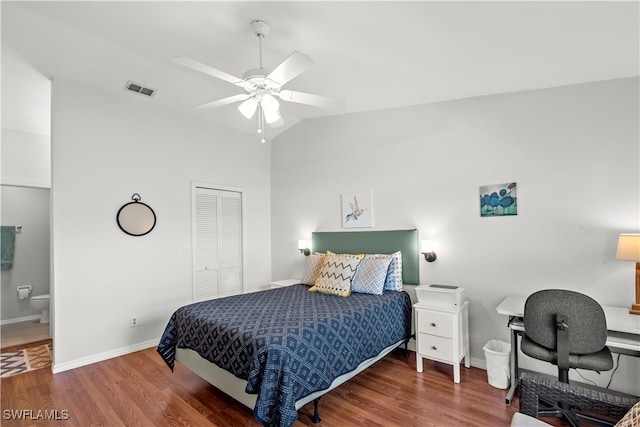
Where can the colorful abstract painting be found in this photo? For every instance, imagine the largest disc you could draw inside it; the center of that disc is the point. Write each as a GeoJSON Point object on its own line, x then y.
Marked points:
{"type": "Point", "coordinates": [499, 199]}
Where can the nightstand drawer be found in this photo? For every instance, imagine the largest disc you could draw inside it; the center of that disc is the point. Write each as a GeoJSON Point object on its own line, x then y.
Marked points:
{"type": "Point", "coordinates": [435, 347]}
{"type": "Point", "coordinates": [435, 323]}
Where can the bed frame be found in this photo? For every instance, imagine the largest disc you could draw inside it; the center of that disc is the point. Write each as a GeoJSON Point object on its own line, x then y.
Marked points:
{"type": "Point", "coordinates": [389, 241]}
{"type": "Point", "coordinates": [235, 387]}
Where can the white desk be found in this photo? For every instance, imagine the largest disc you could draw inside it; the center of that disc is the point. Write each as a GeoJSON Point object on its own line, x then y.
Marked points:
{"type": "Point", "coordinates": [623, 334]}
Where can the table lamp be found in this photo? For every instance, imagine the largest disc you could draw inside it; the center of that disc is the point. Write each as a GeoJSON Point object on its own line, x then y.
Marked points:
{"type": "Point", "coordinates": [629, 249]}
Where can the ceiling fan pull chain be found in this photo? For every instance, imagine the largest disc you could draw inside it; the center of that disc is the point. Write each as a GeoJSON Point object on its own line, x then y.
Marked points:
{"type": "Point", "coordinates": [261, 129]}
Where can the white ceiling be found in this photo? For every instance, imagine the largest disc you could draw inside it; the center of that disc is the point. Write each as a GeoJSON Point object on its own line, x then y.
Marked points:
{"type": "Point", "coordinates": [374, 55]}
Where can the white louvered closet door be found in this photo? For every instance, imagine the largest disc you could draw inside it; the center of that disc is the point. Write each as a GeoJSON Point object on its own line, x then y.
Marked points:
{"type": "Point", "coordinates": [230, 243]}
{"type": "Point", "coordinates": [217, 248]}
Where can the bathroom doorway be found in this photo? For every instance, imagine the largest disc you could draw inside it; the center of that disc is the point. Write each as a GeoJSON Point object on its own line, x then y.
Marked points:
{"type": "Point", "coordinates": [28, 210]}
{"type": "Point", "coordinates": [25, 186]}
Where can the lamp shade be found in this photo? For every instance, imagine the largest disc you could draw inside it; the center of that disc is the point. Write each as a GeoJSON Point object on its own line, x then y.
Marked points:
{"type": "Point", "coordinates": [628, 247]}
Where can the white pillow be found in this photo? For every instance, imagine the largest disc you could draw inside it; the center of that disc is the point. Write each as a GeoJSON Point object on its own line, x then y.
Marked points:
{"type": "Point", "coordinates": [394, 274]}
{"type": "Point", "coordinates": [314, 263]}
{"type": "Point", "coordinates": [371, 275]}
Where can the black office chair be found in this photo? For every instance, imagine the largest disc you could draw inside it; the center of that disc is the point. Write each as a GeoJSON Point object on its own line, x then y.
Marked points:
{"type": "Point", "coordinates": [568, 329]}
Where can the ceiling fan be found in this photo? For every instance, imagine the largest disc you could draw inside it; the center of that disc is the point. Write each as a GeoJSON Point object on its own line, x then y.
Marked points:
{"type": "Point", "coordinates": [263, 88]}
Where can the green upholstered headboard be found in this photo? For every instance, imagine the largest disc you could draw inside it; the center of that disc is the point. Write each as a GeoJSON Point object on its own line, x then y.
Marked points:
{"type": "Point", "coordinates": [374, 242]}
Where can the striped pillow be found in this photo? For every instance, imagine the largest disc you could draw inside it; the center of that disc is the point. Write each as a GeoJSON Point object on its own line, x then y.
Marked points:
{"type": "Point", "coordinates": [336, 274]}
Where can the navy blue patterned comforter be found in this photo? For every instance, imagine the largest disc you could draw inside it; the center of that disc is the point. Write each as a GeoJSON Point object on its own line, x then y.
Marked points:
{"type": "Point", "coordinates": [288, 342]}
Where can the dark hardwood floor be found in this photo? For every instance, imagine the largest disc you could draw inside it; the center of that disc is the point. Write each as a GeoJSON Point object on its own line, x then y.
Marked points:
{"type": "Point", "coordinates": [138, 389]}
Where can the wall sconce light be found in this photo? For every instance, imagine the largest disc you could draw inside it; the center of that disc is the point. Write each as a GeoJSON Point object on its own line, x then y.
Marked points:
{"type": "Point", "coordinates": [427, 250]}
{"type": "Point", "coordinates": [302, 247]}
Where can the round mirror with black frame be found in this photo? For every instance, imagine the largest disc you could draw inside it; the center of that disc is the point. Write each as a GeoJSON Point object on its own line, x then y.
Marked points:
{"type": "Point", "coordinates": [136, 218]}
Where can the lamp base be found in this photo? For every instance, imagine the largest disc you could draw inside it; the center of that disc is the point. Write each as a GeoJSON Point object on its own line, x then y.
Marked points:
{"type": "Point", "coordinates": [635, 307]}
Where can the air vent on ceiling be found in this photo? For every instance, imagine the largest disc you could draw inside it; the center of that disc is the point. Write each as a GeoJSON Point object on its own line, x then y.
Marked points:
{"type": "Point", "coordinates": [138, 88]}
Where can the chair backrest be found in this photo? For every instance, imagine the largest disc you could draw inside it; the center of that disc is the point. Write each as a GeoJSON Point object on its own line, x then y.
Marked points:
{"type": "Point", "coordinates": [587, 322]}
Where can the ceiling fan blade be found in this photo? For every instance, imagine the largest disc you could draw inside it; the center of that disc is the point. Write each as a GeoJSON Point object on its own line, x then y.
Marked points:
{"type": "Point", "coordinates": [223, 101]}
{"type": "Point", "coordinates": [310, 99]}
{"type": "Point", "coordinates": [294, 65]}
{"type": "Point", "coordinates": [206, 69]}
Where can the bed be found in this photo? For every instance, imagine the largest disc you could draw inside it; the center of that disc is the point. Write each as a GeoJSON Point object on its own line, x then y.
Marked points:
{"type": "Point", "coordinates": [277, 350]}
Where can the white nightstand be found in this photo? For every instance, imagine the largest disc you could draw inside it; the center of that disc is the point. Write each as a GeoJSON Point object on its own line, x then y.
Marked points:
{"type": "Point", "coordinates": [442, 334]}
{"type": "Point", "coordinates": [283, 283]}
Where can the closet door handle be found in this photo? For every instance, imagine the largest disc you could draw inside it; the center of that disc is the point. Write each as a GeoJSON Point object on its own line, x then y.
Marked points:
{"type": "Point", "coordinates": [433, 324]}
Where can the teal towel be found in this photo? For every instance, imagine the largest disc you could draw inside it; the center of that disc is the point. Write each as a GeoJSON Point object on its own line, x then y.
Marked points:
{"type": "Point", "coordinates": [7, 243]}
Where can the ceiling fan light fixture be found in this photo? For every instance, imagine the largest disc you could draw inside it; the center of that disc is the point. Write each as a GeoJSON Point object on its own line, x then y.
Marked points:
{"type": "Point", "coordinates": [263, 86]}
{"type": "Point", "coordinates": [271, 117]}
{"type": "Point", "coordinates": [270, 107]}
{"type": "Point", "coordinates": [248, 107]}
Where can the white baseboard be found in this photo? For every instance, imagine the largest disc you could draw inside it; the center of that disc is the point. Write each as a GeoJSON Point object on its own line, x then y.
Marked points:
{"type": "Point", "coordinates": [20, 319]}
{"type": "Point", "coordinates": [61, 367]}
{"type": "Point", "coordinates": [478, 363]}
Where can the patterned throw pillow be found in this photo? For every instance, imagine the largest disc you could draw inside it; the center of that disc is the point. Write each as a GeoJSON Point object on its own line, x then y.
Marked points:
{"type": "Point", "coordinates": [632, 418]}
{"type": "Point", "coordinates": [371, 275]}
{"type": "Point", "coordinates": [314, 263]}
{"type": "Point", "coordinates": [394, 274]}
{"type": "Point", "coordinates": [336, 274]}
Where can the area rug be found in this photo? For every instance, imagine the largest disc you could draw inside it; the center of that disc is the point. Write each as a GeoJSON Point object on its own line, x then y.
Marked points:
{"type": "Point", "coordinates": [25, 360]}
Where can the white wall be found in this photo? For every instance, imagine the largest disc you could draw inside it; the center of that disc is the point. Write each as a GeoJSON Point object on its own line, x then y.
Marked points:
{"type": "Point", "coordinates": [105, 148]}
{"type": "Point", "coordinates": [26, 159]}
{"type": "Point", "coordinates": [574, 152]}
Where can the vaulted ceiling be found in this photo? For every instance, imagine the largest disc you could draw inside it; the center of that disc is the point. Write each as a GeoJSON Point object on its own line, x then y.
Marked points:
{"type": "Point", "coordinates": [373, 55]}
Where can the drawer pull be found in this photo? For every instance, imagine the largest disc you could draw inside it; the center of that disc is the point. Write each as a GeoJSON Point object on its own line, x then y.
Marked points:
{"type": "Point", "coordinates": [433, 347]}
{"type": "Point", "coordinates": [433, 324]}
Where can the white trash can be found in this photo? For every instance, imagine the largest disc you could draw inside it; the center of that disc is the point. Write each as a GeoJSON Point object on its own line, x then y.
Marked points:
{"type": "Point", "coordinates": [496, 355]}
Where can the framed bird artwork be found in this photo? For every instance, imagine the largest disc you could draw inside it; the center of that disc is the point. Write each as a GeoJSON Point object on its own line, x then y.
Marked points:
{"type": "Point", "coordinates": [357, 210]}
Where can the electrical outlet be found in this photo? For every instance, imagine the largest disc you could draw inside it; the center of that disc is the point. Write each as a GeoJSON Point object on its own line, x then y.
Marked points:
{"type": "Point", "coordinates": [133, 322]}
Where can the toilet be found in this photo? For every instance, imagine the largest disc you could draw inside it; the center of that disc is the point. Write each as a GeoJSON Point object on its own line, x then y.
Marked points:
{"type": "Point", "coordinates": [41, 302]}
